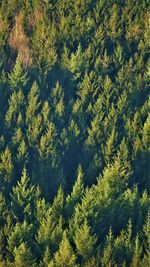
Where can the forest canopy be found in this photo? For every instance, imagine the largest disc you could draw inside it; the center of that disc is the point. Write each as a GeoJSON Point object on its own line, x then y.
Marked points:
{"type": "Point", "coordinates": [74, 133]}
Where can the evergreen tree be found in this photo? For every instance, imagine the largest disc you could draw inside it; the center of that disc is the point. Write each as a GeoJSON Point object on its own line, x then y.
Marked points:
{"type": "Point", "coordinates": [33, 103]}
{"type": "Point", "coordinates": [77, 192]}
{"type": "Point", "coordinates": [21, 232]}
{"type": "Point", "coordinates": [47, 257]}
{"type": "Point", "coordinates": [65, 256]}
{"type": "Point", "coordinates": [3, 209]}
{"type": "Point", "coordinates": [23, 198]}
{"type": "Point", "coordinates": [6, 166]}
{"type": "Point", "coordinates": [17, 78]}
{"type": "Point", "coordinates": [85, 242]}
{"type": "Point", "coordinates": [58, 101]}
{"type": "Point", "coordinates": [136, 259]}
{"type": "Point", "coordinates": [43, 46]}
{"type": "Point", "coordinates": [51, 225]}
{"type": "Point", "coordinates": [146, 232]}
{"type": "Point", "coordinates": [16, 104]}
{"type": "Point", "coordinates": [23, 256]}
{"type": "Point", "coordinates": [107, 259]}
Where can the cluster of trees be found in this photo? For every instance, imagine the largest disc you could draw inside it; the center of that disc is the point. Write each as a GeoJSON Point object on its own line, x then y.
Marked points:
{"type": "Point", "coordinates": [75, 133]}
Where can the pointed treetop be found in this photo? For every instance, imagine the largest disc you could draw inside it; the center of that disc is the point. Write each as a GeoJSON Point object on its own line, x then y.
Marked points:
{"type": "Point", "coordinates": [17, 78]}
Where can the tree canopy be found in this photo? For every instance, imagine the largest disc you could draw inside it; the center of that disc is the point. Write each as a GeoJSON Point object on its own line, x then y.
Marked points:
{"type": "Point", "coordinates": [74, 133]}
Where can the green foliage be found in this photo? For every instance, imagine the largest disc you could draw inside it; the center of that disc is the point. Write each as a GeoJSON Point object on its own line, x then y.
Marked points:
{"type": "Point", "coordinates": [74, 91]}
{"type": "Point", "coordinates": [33, 103]}
{"type": "Point", "coordinates": [77, 192]}
{"type": "Point", "coordinates": [85, 242]}
{"type": "Point", "coordinates": [16, 104]}
{"type": "Point", "coordinates": [43, 45]}
{"type": "Point", "coordinates": [47, 142]}
{"type": "Point", "coordinates": [65, 256]}
{"type": "Point", "coordinates": [17, 78]}
{"type": "Point", "coordinates": [22, 198]}
{"type": "Point", "coordinates": [6, 165]}
{"type": "Point", "coordinates": [21, 232]}
{"type": "Point", "coordinates": [23, 256]}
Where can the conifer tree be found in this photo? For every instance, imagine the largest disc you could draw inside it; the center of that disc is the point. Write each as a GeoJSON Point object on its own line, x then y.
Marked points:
{"type": "Point", "coordinates": [44, 51]}
{"type": "Point", "coordinates": [47, 257]}
{"type": "Point", "coordinates": [146, 234]}
{"type": "Point", "coordinates": [46, 112]}
{"type": "Point", "coordinates": [33, 103]}
{"type": "Point", "coordinates": [77, 191]}
{"type": "Point", "coordinates": [65, 256]}
{"type": "Point", "coordinates": [16, 104]}
{"type": "Point", "coordinates": [146, 133]}
{"type": "Point", "coordinates": [47, 142]}
{"type": "Point", "coordinates": [58, 100]}
{"type": "Point", "coordinates": [110, 145]}
{"type": "Point", "coordinates": [85, 241]}
{"type": "Point", "coordinates": [51, 226]}
{"type": "Point", "coordinates": [23, 198]}
{"type": "Point", "coordinates": [136, 259]}
{"type": "Point", "coordinates": [76, 62]}
{"type": "Point", "coordinates": [3, 209]}
{"type": "Point", "coordinates": [17, 78]}
{"type": "Point", "coordinates": [6, 166]}
{"type": "Point", "coordinates": [21, 232]}
{"type": "Point", "coordinates": [22, 152]}
{"type": "Point", "coordinates": [23, 256]}
{"type": "Point", "coordinates": [107, 259]}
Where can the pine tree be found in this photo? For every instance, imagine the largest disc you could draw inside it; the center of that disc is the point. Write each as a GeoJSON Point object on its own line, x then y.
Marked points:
{"type": "Point", "coordinates": [57, 95]}
{"type": "Point", "coordinates": [77, 192]}
{"type": "Point", "coordinates": [49, 233]}
{"type": "Point", "coordinates": [23, 256]}
{"type": "Point", "coordinates": [6, 166]}
{"type": "Point", "coordinates": [17, 136]}
{"type": "Point", "coordinates": [47, 257]}
{"type": "Point", "coordinates": [85, 242]}
{"type": "Point", "coordinates": [123, 245]}
{"type": "Point", "coordinates": [44, 51]}
{"type": "Point", "coordinates": [33, 103]}
{"type": "Point", "coordinates": [3, 219]}
{"type": "Point", "coordinates": [110, 146]}
{"type": "Point", "coordinates": [118, 56]}
{"type": "Point", "coordinates": [136, 259]}
{"type": "Point", "coordinates": [41, 208]}
{"type": "Point", "coordinates": [47, 142]}
{"type": "Point", "coordinates": [16, 105]}
{"type": "Point", "coordinates": [46, 112]}
{"type": "Point", "coordinates": [146, 234]}
{"type": "Point", "coordinates": [51, 225]}
{"type": "Point", "coordinates": [3, 209]}
{"type": "Point", "coordinates": [23, 198]}
{"type": "Point", "coordinates": [17, 78]}
{"type": "Point", "coordinates": [146, 133]}
{"type": "Point", "coordinates": [21, 232]}
{"type": "Point", "coordinates": [76, 62]}
{"type": "Point", "coordinates": [115, 28]}
{"type": "Point", "coordinates": [107, 258]}
{"type": "Point", "coordinates": [22, 152]}
{"type": "Point", "coordinates": [65, 256]}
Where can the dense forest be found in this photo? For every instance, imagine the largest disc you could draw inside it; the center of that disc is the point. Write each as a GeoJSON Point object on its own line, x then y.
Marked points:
{"type": "Point", "coordinates": [74, 133]}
